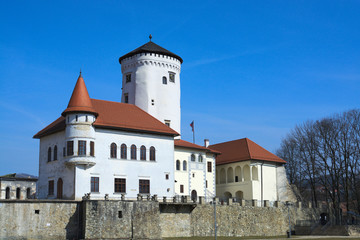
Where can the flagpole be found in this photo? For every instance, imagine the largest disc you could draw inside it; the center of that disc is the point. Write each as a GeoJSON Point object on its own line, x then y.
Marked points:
{"type": "Point", "coordinates": [194, 136]}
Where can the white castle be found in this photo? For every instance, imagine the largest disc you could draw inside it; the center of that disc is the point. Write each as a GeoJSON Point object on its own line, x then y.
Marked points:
{"type": "Point", "coordinates": [134, 148]}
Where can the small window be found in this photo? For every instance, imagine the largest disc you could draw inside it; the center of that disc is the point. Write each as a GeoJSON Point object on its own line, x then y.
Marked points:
{"type": "Point", "coordinates": [167, 176]}
{"type": "Point", "coordinates": [152, 102]}
{"type": "Point", "coordinates": [94, 184]}
{"type": "Point", "coordinates": [120, 215]}
{"type": "Point", "coordinates": [142, 152]}
{"type": "Point", "coordinates": [133, 152]}
{"type": "Point", "coordinates": [120, 185]}
{"type": "Point", "coordinates": [28, 193]}
{"type": "Point", "coordinates": [206, 183]}
{"type": "Point", "coordinates": [55, 153]}
{"type": "Point", "coordinates": [37, 211]}
{"type": "Point", "coordinates": [123, 151]}
{"type": "Point", "coordinates": [82, 148]}
{"type": "Point", "coordinates": [144, 186]}
{"type": "Point", "coordinates": [178, 165]}
{"type": "Point", "coordinates": [64, 152]}
{"type": "Point", "coordinates": [181, 188]}
{"type": "Point", "coordinates": [193, 175]}
{"type": "Point", "coordinates": [152, 153]}
{"type": "Point", "coordinates": [167, 123]}
{"type": "Point", "coordinates": [209, 166]}
{"type": "Point", "coordinates": [171, 77]}
{"type": "Point", "coordinates": [200, 158]}
{"type": "Point", "coordinates": [51, 188]}
{"type": "Point", "coordinates": [7, 193]}
{"type": "Point", "coordinates": [164, 80]}
{"type": "Point", "coordinates": [184, 165]}
{"type": "Point", "coordinates": [126, 98]}
{"type": "Point", "coordinates": [70, 148]}
{"type": "Point", "coordinates": [76, 117]}
{"type": "Point", "coordinates": [128, 78]}
{"type": "Point", "coordinates": [18, 193]}
{"type": "Point", "coordinates": [49, 154]}
{"type": "Point", "coordinates": [113, 150]}
{"type": "Point", "coordinates": [92, 148]}
{"type": "Point", "coordinates": [192, 157]}
{"type": "Point", "coordinates": [86, 118]}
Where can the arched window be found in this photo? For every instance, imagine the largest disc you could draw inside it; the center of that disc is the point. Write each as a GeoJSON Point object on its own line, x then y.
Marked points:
{"type": "Point", "coordinates": [192, 157]}
{"type": "Point", "coordinates": [7, 194]}
{"type": "Point", "coordinates": [55, 153]}
{"type": "Point", "coordinates": [152, 153]}
{"type": "Point", "coordinates": [28, 193]}
{"type": "Point", "coordinates": [123, 151]}
{"type": "Point", "coordinates": [133, 152]}
{"type": "Point", "coordinates": [49, 154]}
{"type": "Point", "coordinates": [164, 80]}
{"type": "Point", "coordinates": [178, 165]}
{"type": "Point", "coordinates": [142, 152]}
{"type": "Point", "coordinates": [200, 158]}
{"type": "Point", "coordinates": [18, 193]}
{"type": "Point", "coordinates": [254, 173]}
{"type": "Point", "coordinates": [222, 176]}
{"type": "Point", "coordinates": [230, 175]}
{"type": "Point", "coordinates": [184, 165]}
{"type": "Point", "coordinates": [246, 171]}
{"type": "Point", "coordinates": [113, 150]}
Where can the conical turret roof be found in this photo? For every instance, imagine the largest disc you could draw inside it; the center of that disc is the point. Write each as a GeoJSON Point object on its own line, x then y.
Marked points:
{"type": "Point", "coordinates": [80, 100]}
{"type": "Point", "coordinates": [151, 47]}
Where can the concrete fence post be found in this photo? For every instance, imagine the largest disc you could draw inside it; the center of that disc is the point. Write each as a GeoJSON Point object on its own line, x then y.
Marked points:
{"type": "Point", "coordinates": [122, 197]}
{"type": "Point", "coordinates": [266, 203]}
{"type": "Point", "coordinates": [254, 202]}
{"type": "Point", "coordinates": [276, 204]}
{"type": "Point", "coordinates": [174, 199]}
{"type": "Point", "coordinates": [242, 202]}
{"type": "Point", "coordinates": [201, 200]}
{"type": "Point", "coordinates": [230, 201]}
{"type": "Point", "coordinates": [164, 199]}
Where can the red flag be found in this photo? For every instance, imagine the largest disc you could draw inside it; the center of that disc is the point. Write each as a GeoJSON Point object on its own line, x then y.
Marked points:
{"type": "Point", "coordinates": [192, 126]}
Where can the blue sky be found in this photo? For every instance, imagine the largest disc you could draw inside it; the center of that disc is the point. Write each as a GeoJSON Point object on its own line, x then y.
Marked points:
{"type": "Point", "coordinates": [251, 68]}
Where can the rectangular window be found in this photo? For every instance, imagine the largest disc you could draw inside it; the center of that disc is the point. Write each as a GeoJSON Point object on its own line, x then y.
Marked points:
{"type": "Point", "coordinates": [209, 167]}
{"type": "Point", "coordinates": [144, 186]}
{"type": "Point", "coordinates": [171, 77]}
{"type": "Point", "coordinates": [167, 123]}
{"type": "Point", "coordinates": [94, 184]}
{"type": "Point", "coordinates": [167, 176]}
{"type": "Point", "coordinates": [82, 148]}
{"type": "Point", "coordinates": [128, 77]}
{"type": "Point", "coordinates": [206, 184]}
{"type": "Point", "coordinates": [92, 148]}
{"type": "Point", "coordinates": [126, 98]}
{"type": "Point", "coordinates": [51, 187]}
{"type": "Point", "coordinates": [70, 148]}
{"type": "Point", "coordinates": [120, 185]}
{"type": "Point", "coordinates": [64, 152]}
{"type": "Point", "coordinates": [181, 188]}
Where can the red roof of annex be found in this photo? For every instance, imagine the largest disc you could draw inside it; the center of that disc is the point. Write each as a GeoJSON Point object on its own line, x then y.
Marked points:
{"type": "Point", "coordinates": [242, 150]}
{"type": "Point", "coordinates": [186, 144]}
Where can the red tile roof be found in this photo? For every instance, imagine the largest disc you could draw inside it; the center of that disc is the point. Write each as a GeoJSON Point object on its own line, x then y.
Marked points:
{"type": "Point", "coordinates": [80, 100]}
{"type": "Point", "coordinates": [242, 150]}
{"type": "Point", "coordinates": [114, 115]}
{"type": "Point", "coordinates": [186, 144]}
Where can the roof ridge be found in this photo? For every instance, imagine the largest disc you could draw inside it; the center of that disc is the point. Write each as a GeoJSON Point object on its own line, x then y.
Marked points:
{"type": "Point", "coordinates": [247, 147]}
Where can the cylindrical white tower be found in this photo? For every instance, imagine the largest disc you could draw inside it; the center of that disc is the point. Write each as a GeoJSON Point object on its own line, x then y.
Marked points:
{"type": "Point", "coordinates": [151, 81]}
{"type": "Point", "coordinates": [80, 133]}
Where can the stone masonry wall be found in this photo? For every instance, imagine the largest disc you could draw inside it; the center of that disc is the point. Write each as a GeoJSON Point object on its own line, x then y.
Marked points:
{"type": "Point", "coordinates": [100, 219]}
{"type": "Point", "coordinates": [39, 220]}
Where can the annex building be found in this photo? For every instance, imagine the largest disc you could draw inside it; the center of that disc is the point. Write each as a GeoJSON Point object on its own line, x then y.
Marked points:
{"type": "Point", "coordinates": [134, 148]}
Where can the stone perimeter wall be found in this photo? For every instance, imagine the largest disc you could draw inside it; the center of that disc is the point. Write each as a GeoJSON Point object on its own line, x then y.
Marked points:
{"type": "Point", "coordinates": [99, 219]}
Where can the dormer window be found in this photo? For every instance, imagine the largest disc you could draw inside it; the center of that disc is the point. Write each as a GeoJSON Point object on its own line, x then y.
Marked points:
{"type": "Point", "coordinates": [128, 77]}
{"type": "Point", "coordinates": [167, 123]}
{"type": "Point", "coordinates": [171, 77]}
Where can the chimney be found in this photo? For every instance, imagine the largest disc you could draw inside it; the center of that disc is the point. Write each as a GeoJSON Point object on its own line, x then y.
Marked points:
{"type": "Point", "coordinates": [206, 142]}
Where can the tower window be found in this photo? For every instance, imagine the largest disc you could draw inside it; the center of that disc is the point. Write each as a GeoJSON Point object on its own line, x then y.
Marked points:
{"type": "Point", "coordinates": [171, 77]}
{"type": "Point", "coordinates": [82, 148]}
{"type": "Point", "coordinates": [55, 153]}
{"type": "Point", "coordinates": [209, 167]}
{"type": "Point", "coordinates": [70, 148]}
{"type": "Point", "coordinates": [152, 153]}
{"type": "Point", "coordinates": [167, 123]}
{"type": "Point", "coordinates": [142, 152]}
{"type": "Point", "coordinates": [49, 154]}
{"type": "Point", "coordinates": [164, 80]}
{"type": "Point", "coordinates": [128, 77]}
{"type": "Point", "coordinates": [126, 98]}
{"type": "Point", "coordinates": [92, 148]}
{"type": "Point", "coordinates": [133, 152]}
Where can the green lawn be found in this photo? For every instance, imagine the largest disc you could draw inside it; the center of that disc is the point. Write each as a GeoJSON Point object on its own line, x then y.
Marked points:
{"type": "Point", "coordinates": [259, 237]}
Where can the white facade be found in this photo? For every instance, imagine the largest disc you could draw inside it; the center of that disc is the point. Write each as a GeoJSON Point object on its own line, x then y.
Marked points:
{"type": "Point", "coordinates": [194, 173]}
{"type": "Point", "coordinates": [247, 180]}
{"type": "Point", "coordinates": [76, 171]}
{"type": "Point", "coordinates": [146, 86]}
